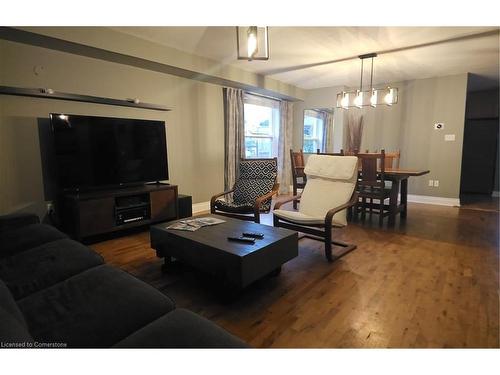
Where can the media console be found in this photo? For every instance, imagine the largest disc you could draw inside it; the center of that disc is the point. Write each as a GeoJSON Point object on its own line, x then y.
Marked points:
{"type": "Point", "coordinates": [104, 211]}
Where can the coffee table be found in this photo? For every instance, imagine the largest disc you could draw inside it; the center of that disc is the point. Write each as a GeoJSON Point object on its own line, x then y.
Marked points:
{"type": "Point", "coordinates": [236, 264]}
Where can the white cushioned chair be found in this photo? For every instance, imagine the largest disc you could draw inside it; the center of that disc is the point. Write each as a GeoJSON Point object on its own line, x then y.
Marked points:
{"type": "Point", "coordinates": [330, 190]}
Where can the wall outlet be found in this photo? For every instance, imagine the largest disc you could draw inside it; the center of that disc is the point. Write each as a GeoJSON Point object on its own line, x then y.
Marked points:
{"type": "Point", "coordinates": [439, 126]}
{"type": "Point", "coordinates": [431, 183]}
{"type": "Point", "coordinates": [449, 137]}
{"type": "Point", "coordinates": [436, 183]}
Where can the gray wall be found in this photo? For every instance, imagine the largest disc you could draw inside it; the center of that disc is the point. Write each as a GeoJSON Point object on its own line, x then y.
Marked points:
{"type": "Point", "coordinates": [409, 126]}
{"type": "Point", "coordinates": [195, 131]}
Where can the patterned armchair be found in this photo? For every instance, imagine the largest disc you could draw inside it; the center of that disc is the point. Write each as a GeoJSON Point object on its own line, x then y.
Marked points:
{"type": "Point", "coordinates": [252, 192]}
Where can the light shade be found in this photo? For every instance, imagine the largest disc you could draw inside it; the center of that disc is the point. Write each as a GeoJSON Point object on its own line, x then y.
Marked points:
{"type": "Point", "coordinates": [252, 43]}
{"type": "Point", "coordinates": [373, 98]}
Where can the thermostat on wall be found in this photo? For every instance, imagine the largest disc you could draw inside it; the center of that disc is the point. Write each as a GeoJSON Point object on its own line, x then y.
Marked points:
{"type": "Point", "coordinates": [439, 126]}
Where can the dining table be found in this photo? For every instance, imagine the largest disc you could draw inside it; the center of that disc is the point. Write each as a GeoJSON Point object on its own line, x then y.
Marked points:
{"type": "Point", "coordinates": [399, 186]}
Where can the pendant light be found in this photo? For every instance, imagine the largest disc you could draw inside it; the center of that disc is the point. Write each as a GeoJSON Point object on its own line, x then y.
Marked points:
{"type": "Point", "coordinates": [252, 43]}
{"type": "Point", "coordinates": [372, 97]}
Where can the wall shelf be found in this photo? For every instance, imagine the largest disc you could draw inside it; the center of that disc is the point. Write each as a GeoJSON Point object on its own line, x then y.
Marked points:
{"type": "Point", "coordinates": [51, 94]}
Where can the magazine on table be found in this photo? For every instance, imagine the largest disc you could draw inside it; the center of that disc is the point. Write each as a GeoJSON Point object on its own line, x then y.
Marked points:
{"type": "Point", "coordinates": [194, 224]}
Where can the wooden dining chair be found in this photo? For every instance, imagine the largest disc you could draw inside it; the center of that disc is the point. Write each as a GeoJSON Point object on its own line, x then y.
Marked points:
{"type": "Point", "coordinates": [371, 185]}
{"type": "Point", "coordinates": [392, 159]}
{"type": "Point", "coordinates": [299, 178]}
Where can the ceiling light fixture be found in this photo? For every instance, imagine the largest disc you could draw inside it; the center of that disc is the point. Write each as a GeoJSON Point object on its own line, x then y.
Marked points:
{"type": "Point", "coordinates": [252, 43]}
{"type": "Point", "coordinates": [374, 97]}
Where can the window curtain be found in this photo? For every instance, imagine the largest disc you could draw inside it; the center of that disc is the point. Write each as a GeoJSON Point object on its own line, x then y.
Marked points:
{"type": "Point", "coordinates": [285, 144]}
{"type": "Point", "coordinates": [327, 131]}
{"type": "Point", "coordinates": [354, 132]}
{"type": "Point", "coordinates": [233, 134]}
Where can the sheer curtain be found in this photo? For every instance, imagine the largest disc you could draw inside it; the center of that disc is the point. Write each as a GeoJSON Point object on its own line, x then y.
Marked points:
{"type": "Point", "coordinates": [285, 144]}
{"type": "Point", "coordinates": [327, 131]}
{"type": "Point", "coordinates": [233, 134]}
{"type": "Point", "coordinates": [354, 132]}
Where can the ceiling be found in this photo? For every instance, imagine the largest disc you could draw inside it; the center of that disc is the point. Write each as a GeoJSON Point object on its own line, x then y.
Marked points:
{"type": "Point", "coordinates": [305, 56]}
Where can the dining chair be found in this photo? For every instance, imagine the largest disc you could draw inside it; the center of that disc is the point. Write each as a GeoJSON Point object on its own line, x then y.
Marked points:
{"type": "Point", "coordinates": [392, 159]}
{"type": "Point", "coordinates": [330, 190]}
{"type": "Point", "coordinates": [299, 178]}
{"type": "Point", "coordinates": [371, 185]}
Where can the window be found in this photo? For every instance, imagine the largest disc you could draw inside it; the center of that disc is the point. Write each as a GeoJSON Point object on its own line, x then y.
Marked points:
{"type": "Point", "coordinates": [313, 131]}
{"type": "Point", "coordinates": [262, 116]}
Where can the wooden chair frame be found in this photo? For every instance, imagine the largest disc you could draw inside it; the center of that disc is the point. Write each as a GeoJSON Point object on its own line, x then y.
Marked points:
{"type": "Point", "coordinates": [313, 230]}
{"type": "Point", "coordinates": [297, 171]}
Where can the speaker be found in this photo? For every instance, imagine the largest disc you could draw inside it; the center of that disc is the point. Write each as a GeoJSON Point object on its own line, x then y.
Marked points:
{"type": "Point", "coordinates": [185, 206]}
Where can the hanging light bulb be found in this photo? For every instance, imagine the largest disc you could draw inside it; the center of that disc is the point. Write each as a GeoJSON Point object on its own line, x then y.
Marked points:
{"type": "Point", "coordinates": [373, 98]}
{"type": "Point", "coordinates": [358, 101]}
{"type": "Point", "coordinates": [389, 97]}
{"type": "Point", "coordinates": [252, 41]}
{"type": "Point", "coordinates": [345, 100]}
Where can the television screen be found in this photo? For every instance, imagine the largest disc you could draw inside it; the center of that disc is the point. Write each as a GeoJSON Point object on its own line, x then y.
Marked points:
{"type": "Point", "coordinates": [103, 151]}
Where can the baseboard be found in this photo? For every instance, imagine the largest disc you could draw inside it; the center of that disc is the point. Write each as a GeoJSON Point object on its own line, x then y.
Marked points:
{"type": "Point", "coordinates": [495, 194]}
{"type": "Point", "coordinates": [201, 207]}
{"type": "Point", "coordinates": [440, 201]}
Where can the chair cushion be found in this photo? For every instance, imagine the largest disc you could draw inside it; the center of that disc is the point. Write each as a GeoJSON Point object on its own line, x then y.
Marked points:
{"type": "Point", "coordinates": [96, 308]}
{"type": "Point", "coordinates": [343, 168]}
{"type": "Point", "coordinates": [181, 329]}
{"type": "Point", "coordinates": [27, 237]}
{"type": "Point", "coordinates": [46, 265]}
{"type": "Point", "coordinates": [256, 178]}
{"type": "Point", "coordinates": [300, 218]}
{"type": "Point", "coordinates": [330, 185]}
{"type": "Point", "coordinates": [229, 206]}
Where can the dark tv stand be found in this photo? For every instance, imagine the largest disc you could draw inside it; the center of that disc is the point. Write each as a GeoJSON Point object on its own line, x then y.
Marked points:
{"type": "Point", "coordinates": [85, 214]}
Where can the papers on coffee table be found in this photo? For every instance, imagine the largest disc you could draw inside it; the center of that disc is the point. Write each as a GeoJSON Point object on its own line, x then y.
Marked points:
{"type": "Point", "coordinates": [194, 224]}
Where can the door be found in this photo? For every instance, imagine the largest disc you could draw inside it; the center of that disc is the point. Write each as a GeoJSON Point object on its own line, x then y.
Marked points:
{"type": "Point", "coordinates": [479, 156]}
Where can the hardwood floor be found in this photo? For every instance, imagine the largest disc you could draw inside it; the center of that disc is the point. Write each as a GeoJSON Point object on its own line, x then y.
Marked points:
{"type": "Point", "coordinates": [432, 282]}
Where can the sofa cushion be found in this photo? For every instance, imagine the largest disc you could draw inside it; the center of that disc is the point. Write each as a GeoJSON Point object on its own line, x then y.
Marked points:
{"type": "Point", "coordinates": [8, 304]}
{"type": "Point", "coordinates": [181, 329]}
{"type": "Point", "coordinates": [27, 237]}
{"type": "Point", "coordinates": [13, 221]}
{"type": "Point", "coordinates": [96, 308]}
{"type": "Point", "coordinates": [45, 265]}
{"type": "Point", "coordinates": [13, 334]}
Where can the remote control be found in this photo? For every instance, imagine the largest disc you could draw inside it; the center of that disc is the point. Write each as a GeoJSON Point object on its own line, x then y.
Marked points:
{"type": "Point", "coordinates": [242, 239]}
{"type": "Point", "coordinates": [253, 234]}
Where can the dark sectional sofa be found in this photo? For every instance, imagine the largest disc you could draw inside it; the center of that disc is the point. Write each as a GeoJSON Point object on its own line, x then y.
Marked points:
{"type": "Point", "coordinates": [56, 292]}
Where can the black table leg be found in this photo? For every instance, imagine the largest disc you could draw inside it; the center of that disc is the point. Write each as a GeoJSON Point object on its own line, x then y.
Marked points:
{"type": "Point", "coordinates": [393, 202]}
{"type": "Point", "coordinates": [404, 197]}
{"type": "Point", "coordinates": [167, 264]}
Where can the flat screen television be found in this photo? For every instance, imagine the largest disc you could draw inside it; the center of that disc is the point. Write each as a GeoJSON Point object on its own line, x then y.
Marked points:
{"type": "Point", "coordinates": [98, 152]}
